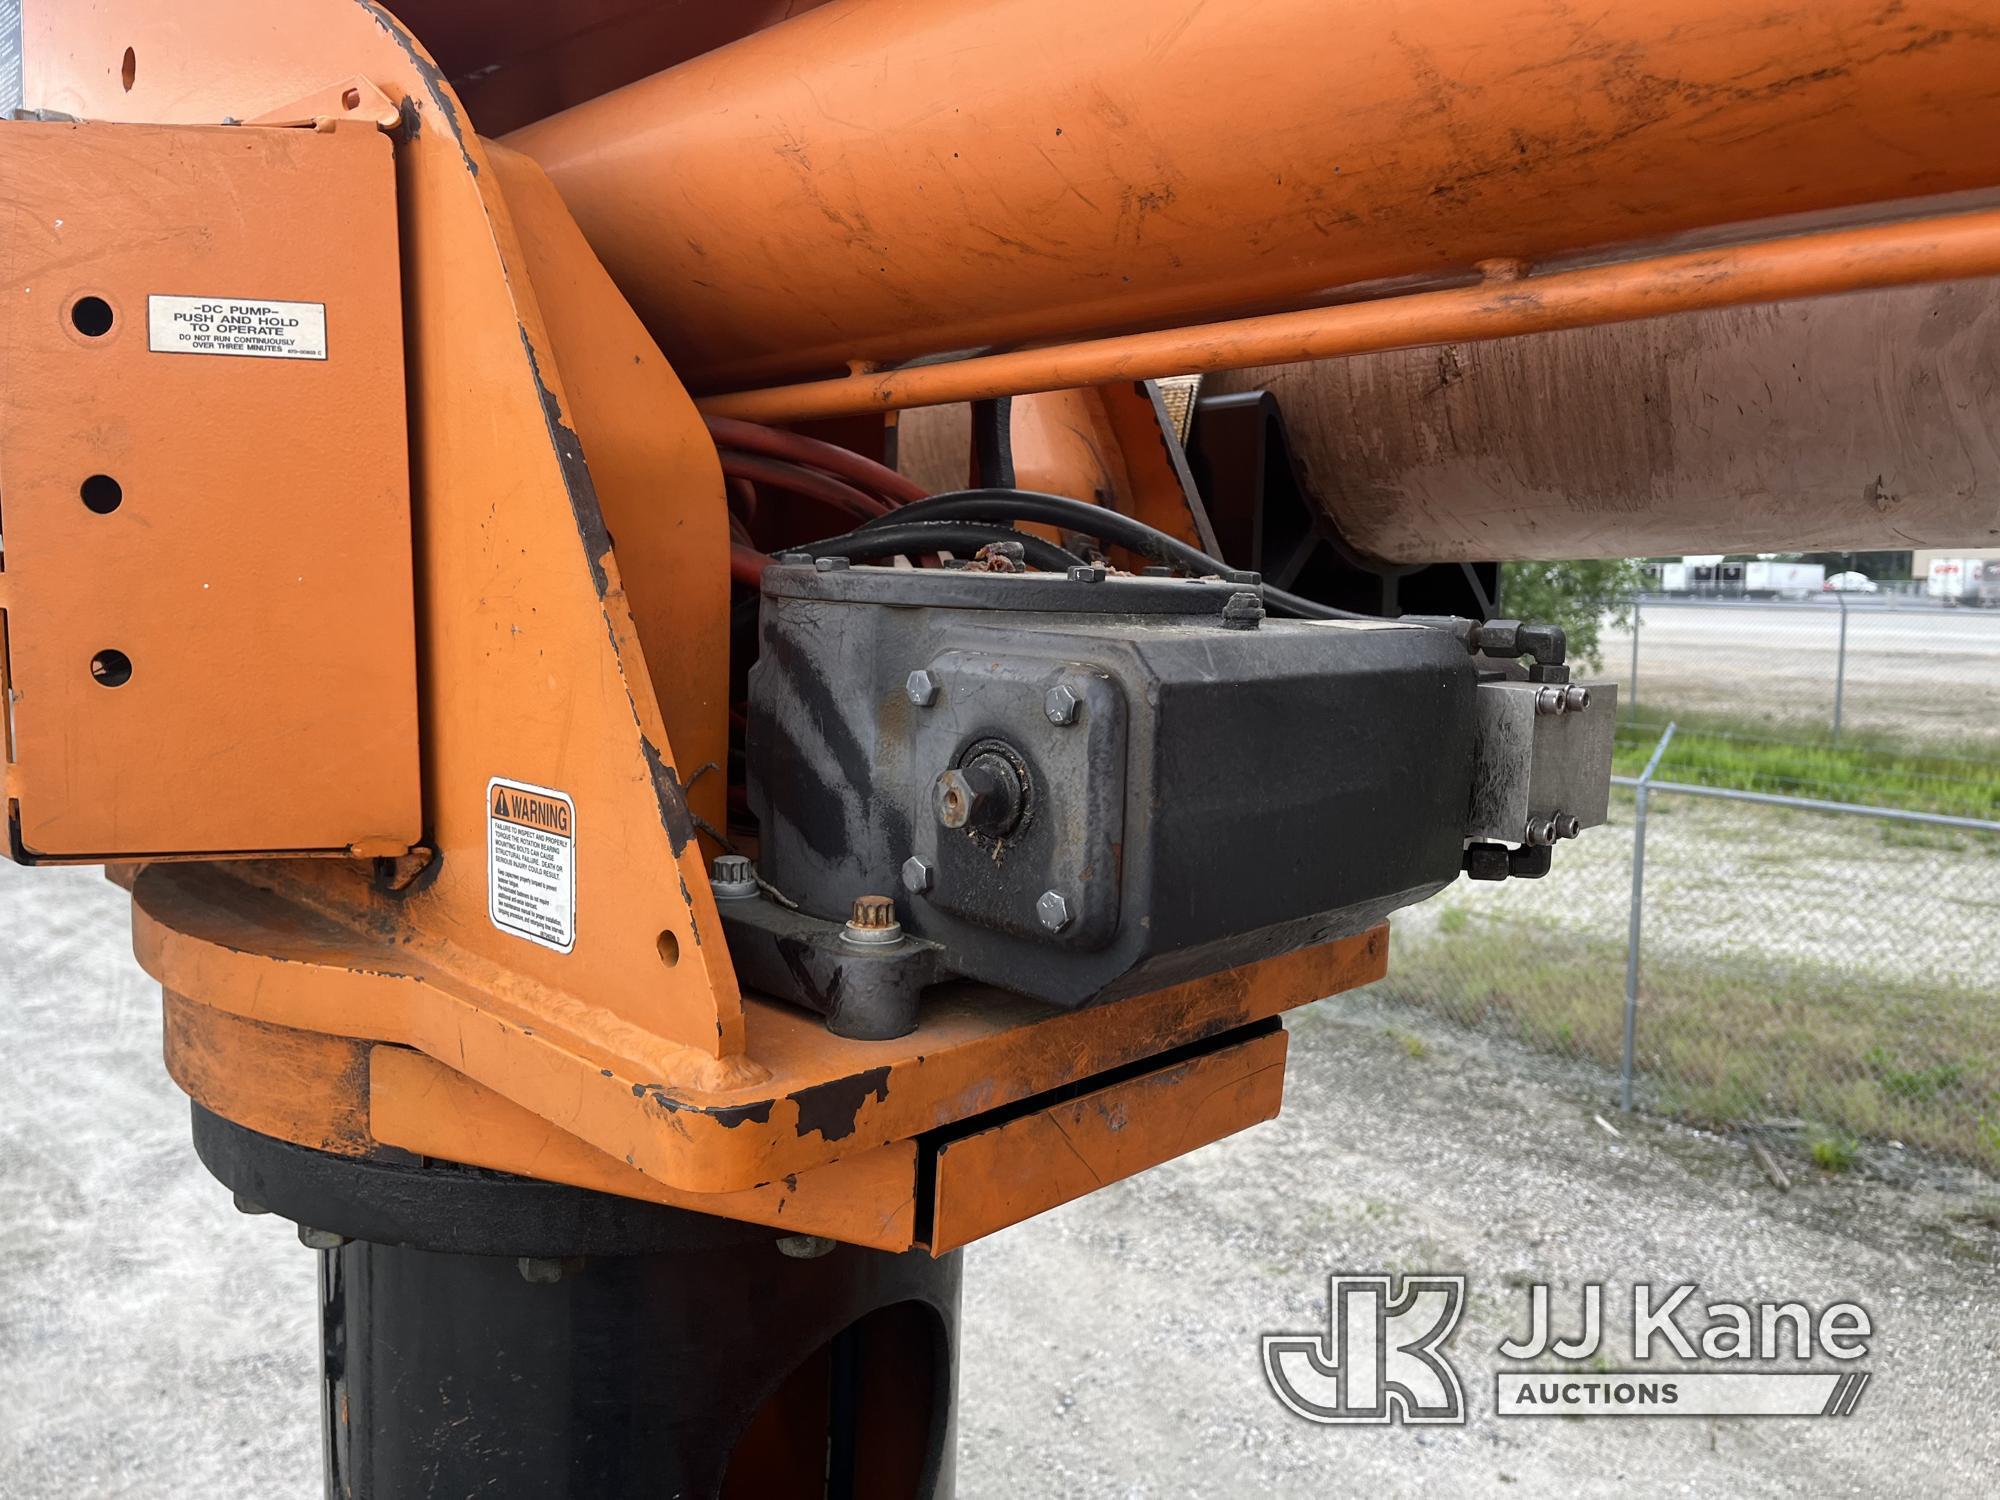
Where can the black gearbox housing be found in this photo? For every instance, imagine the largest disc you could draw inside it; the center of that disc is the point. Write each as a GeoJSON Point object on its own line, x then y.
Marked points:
{"type": "Point", "coordinates": [1165, 794]}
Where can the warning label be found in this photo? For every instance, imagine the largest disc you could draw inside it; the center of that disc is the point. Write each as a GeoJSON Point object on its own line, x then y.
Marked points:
{"type": "Point", "coordinates": [531, 863]}
{"type": "Point", "coordinates": [222, 325]}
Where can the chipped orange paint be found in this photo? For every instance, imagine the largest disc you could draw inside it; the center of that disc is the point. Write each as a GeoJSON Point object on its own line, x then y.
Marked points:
{"type": "Point", "coordinates": [656, 473]}
{"type": "Point", "coordinates": [868, 1198]}
{"type": "Point", "coordinates": [352, 1098]}
{"type": "Point", "coordinates": [797, 1098]}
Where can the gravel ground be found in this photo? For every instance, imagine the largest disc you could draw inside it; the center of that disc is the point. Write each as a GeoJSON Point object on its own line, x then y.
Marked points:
{"type": "Point", "coordinates": [154, 1343]}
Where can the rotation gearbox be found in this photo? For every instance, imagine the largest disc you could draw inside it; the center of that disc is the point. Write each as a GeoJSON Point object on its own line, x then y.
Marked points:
{"type": "Point", "coordinates": [1081, 788]}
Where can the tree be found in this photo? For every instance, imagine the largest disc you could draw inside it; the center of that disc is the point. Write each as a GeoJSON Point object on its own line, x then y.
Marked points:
{"type": "Point", "coordinates": [1578, 596]}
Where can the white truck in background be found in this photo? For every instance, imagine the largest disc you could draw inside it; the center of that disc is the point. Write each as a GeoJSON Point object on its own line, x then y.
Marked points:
{"type": "Point", "coordinates": [1776, 580]}
{"type": "Point", "coordinates": [1964, 580]}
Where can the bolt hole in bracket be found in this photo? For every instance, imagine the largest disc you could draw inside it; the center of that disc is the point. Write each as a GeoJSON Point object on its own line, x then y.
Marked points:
{"type": "Point", "coordinates": [92, 317]}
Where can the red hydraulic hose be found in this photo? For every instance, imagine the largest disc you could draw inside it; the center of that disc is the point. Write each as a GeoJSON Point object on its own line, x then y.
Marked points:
{"type": "Point", "coordinates": [812, 483]}
{"type": "Point", "coordinates": [774, 442]}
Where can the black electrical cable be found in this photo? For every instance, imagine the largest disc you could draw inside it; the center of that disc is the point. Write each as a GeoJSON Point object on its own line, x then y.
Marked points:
{"type": "Point", "coordinates": [1092, 520]}
{"type": "Point", "coordinates": [916, 535]}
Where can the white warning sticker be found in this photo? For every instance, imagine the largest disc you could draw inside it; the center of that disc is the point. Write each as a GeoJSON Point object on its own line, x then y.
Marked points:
{"type": "Point", "coordinates": [228, 325]}
{"type": "Point", "coordinates": [531, 863]}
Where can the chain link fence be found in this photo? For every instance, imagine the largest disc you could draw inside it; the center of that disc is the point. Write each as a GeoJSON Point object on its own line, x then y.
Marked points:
{"type": "Point", "coordinates": [1810, 941]}
{"type": "Point", "coordinates": [1874, 671]}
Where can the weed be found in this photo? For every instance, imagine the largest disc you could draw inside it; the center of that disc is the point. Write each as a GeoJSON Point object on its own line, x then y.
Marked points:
{"type": "Point", "coordinates": [1834, 1151]}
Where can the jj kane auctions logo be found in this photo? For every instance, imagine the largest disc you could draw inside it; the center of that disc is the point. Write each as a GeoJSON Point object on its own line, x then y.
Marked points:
{"type": "Point", "coordinates": [1381, 1357]}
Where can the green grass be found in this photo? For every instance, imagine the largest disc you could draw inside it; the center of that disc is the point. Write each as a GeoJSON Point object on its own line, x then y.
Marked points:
{"type": "Point", "coordinates": [1737, 1041]}
{"type": "Point", "coordinates": [1709, 750]}
{"type": "Point", "coordinates": [1835, 1152]}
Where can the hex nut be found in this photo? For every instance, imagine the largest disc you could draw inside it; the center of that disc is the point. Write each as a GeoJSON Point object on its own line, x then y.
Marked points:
{"type": "Point", "coordinates": [1243, 611]}
{"type": "Point", "coordinates": [916, 875]}
{"type": "Point", "coordinates": [320, 1239]}
{"type": "Point", "coordinates": [539, 1270]}
{"type": "Point", "coordinates": [1053, 910]}
{"type": "Point", "coordinates": [1061, 704]}
{"type": "Point", "coordinates": [921, 687]}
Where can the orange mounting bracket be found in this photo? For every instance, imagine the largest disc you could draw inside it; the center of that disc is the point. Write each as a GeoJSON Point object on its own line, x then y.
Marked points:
{"type": "Point", "coordinates": [571, 1011]}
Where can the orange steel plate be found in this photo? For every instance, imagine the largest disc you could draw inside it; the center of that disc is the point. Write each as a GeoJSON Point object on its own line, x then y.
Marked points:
{"type": "Point", "coordinates": [1001, 1176]}
{"type": "Point", "coordinates": [235, 524]}
{"type": "Point", "coordinates": [420, 1105]}
{"type": "Point", "coordinates": [797, 1098]}
{"type": "Point", "coordinates": [354, 1097]}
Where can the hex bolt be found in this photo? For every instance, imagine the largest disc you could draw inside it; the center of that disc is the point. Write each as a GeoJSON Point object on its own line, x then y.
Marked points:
{"type": "Point", "coordinates": [539, 1270]}
{"type": "Point", "coordinates": [956, 799]}
{"type": "Point", "coordinates": [1061, 704]}
{"type": "Point", "coordinates": [732, 877]}
{"type": "Point", "coordinates": [320, 1239]}
{"type": "Point", "coordinates": [1053, 910]}
{"type": "Point", "coordinates": [795, 559]}
{"type": "Point", "coordinates": [1550, 700]}
{"type": "Point", "coordinates": [1087, 573]}
{"type": "Point", "coordinates": [832, 564]}
{"type": "Point", "coordinates": [1244, 610]}
{"type": "Point", "coordinates": [871, 923]}
{"type": "Point", "coordinates": [917, 875]}
{"type": "Point", "coordinates": [1576, 699]}
{"type": "Point", "coordinates": [985, 795]}
{"type": "Point", "coordinates": [922, 688]}
{"type": "Point", "coordinates": [806, 1246]}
